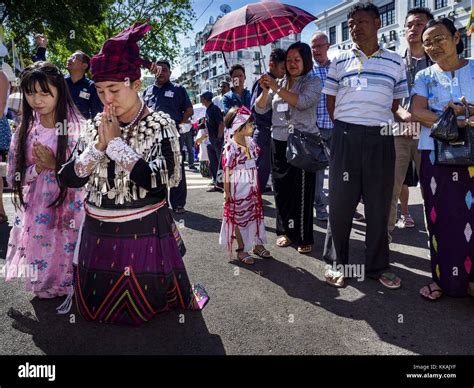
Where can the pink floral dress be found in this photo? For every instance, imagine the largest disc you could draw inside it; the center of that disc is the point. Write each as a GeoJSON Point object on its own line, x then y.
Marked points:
{"type": "Point", "coordinates": [43, 239]}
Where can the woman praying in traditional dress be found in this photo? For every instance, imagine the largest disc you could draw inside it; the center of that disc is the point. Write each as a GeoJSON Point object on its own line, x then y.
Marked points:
{"type": "Point", "coordinates": [128, 264]}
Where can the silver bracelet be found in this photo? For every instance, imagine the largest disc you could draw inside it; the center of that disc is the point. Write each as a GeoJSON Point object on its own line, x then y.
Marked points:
{"type": "Point", "coordinates": [95, 153]}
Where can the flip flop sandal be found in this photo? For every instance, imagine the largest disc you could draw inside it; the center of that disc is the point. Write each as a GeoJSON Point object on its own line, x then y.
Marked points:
{"type": "Point", "coordinates": [263, 253]}
{"type": "Point", "coordinates": [429, 297]}
{"type": "Point", "coordinates": [305, 249]}
{"type": "Point", "coordinates": [391, 277]}
{"type": "Point", "coordinates": [283, 242]}
{"type": "Point", "coordinates": [335, 281]}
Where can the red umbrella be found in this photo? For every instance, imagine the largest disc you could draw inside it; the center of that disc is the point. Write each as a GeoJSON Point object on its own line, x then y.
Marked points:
{"type": "Point", "coordinates": [256, 25]}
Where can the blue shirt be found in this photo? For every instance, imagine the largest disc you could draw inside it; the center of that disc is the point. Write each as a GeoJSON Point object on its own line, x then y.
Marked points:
{"type": "Point", "coordinates": [322, 116]}
{"type": "Point", "coordinates": [170, 98]}
{"type": "Point", "coordinates": [261, 120]}
{"type": "Point", "coordinates": [439, 87]}
{"type": "Point", "coordinates": [232, 99]}
{"type": "Point", "coordinates": [85, 96]}
{"type": "Point", "coordinates": [40, 54]}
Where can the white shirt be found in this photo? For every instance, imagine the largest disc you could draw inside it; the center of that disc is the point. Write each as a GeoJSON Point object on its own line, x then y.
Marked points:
{"type": "Point", "coordinates": [217, 101]}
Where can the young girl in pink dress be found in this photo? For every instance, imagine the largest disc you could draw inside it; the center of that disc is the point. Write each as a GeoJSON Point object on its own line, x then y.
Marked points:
{"type": "Point", "coordinates": [243, 208]}
{"type": "Point", "coordinates": [46, 226]}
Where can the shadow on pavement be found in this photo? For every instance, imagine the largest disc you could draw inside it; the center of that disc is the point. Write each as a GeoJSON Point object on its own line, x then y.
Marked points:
{"type": "Point", "coordinates": [173, 333]}
{"type": "Point", "coordinates": [199, 222]}
{"type": "Point", "coordinates": [399, 317]}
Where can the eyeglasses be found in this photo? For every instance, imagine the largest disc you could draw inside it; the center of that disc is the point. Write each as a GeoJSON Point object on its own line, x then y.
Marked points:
{"type": "Point", "coordinates": [437, 40]}
{"type": "Point", "coordinates": [319, 46]}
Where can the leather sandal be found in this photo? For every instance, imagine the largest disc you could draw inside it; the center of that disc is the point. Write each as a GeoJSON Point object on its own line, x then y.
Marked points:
{"type": "Point", "coordinates": [247, 259]}
{"type": "Point", "coordinates": [262, 252]}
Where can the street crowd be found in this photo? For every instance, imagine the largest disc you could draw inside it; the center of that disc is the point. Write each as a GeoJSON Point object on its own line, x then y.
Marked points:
{"type": "Point", "coordinates": [95, 202]}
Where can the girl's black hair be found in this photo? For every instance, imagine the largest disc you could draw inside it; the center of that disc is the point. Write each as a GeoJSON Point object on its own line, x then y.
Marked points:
{"type": "Point", "coordinates": [44, 75]}
{"type": "Point", "coordinates": [449, 24]}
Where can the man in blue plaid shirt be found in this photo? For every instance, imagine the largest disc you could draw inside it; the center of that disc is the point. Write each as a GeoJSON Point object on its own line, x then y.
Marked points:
{"type": "Point", "coordinates": [320, 45]}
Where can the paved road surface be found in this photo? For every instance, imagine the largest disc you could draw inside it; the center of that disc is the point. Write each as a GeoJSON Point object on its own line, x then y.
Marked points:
{"type": "Point", "coordinates": [279, 306]}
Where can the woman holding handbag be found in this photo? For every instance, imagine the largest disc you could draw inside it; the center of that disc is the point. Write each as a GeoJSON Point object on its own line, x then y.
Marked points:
{"type": "Point", "coordinates": [294, 100]}
{"type": "Point", "coordinates": [447, 190]}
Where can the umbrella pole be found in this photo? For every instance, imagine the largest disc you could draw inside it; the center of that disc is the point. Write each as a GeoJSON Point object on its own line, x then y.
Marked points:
{"type": "Point", "coordinates": [262, 59]}
{"type": "Point", "coordinates": [225, 59]}
{"type": "Point", "coordinates": [261, 53]}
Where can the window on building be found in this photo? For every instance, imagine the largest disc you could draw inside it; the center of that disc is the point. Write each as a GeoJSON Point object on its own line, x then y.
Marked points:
{"type": "Point", "coordinates": [345, 31]}
{"type": "Point", "coordinates": [239, 54]}
{"type": "Point", "coordinates": [419, 3]}
{"type": "Point", "coordinates": [332, 35]}
{"type": "Point", "coordinates": [387, 14]}
{"type": "Point", "coordinates": [467, 43]}
{"type": "Point", "coordinates": [441, 4]}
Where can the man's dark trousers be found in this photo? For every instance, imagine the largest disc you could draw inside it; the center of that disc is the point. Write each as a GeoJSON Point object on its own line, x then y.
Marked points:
{"type": "Point", "coordinates": [214, 151]}
{"type": "Point", "coordinates": [362, 163]}
{"type": "Point", "coordinates": [263, 137]}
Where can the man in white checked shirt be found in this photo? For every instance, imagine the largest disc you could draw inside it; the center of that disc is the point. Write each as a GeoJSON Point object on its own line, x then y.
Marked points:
{"type": "Point", "coordinates": [363, 88]}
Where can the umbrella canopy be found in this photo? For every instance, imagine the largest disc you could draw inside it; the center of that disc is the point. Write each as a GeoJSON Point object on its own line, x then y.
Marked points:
{"type": "Point", "coordinates": [256, 25]}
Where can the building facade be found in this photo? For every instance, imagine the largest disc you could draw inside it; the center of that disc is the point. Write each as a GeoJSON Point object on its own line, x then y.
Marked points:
{"type": "Point", "coordinates": [333, 22]}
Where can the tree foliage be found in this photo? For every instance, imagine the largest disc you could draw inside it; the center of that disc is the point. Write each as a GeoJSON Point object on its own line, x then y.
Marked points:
{"type": "Point", "coordinates": [167, 18]}
{"type": "Point", "coordinates": [69, 25]}
{"type": "Point", "coordinates": [85, 25]}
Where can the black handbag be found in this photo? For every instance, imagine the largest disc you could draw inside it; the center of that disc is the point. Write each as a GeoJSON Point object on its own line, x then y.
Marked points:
{"type": "Point", "coordinates": [446, 127]}
{"type": "Point", "coordinates": [457, 151]}
{"type": "Point", "coordinates": [306, 151]}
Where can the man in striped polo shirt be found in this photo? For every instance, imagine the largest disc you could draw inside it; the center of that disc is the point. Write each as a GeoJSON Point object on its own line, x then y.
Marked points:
{"type": "Point", "coordinates": [363, 87]}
